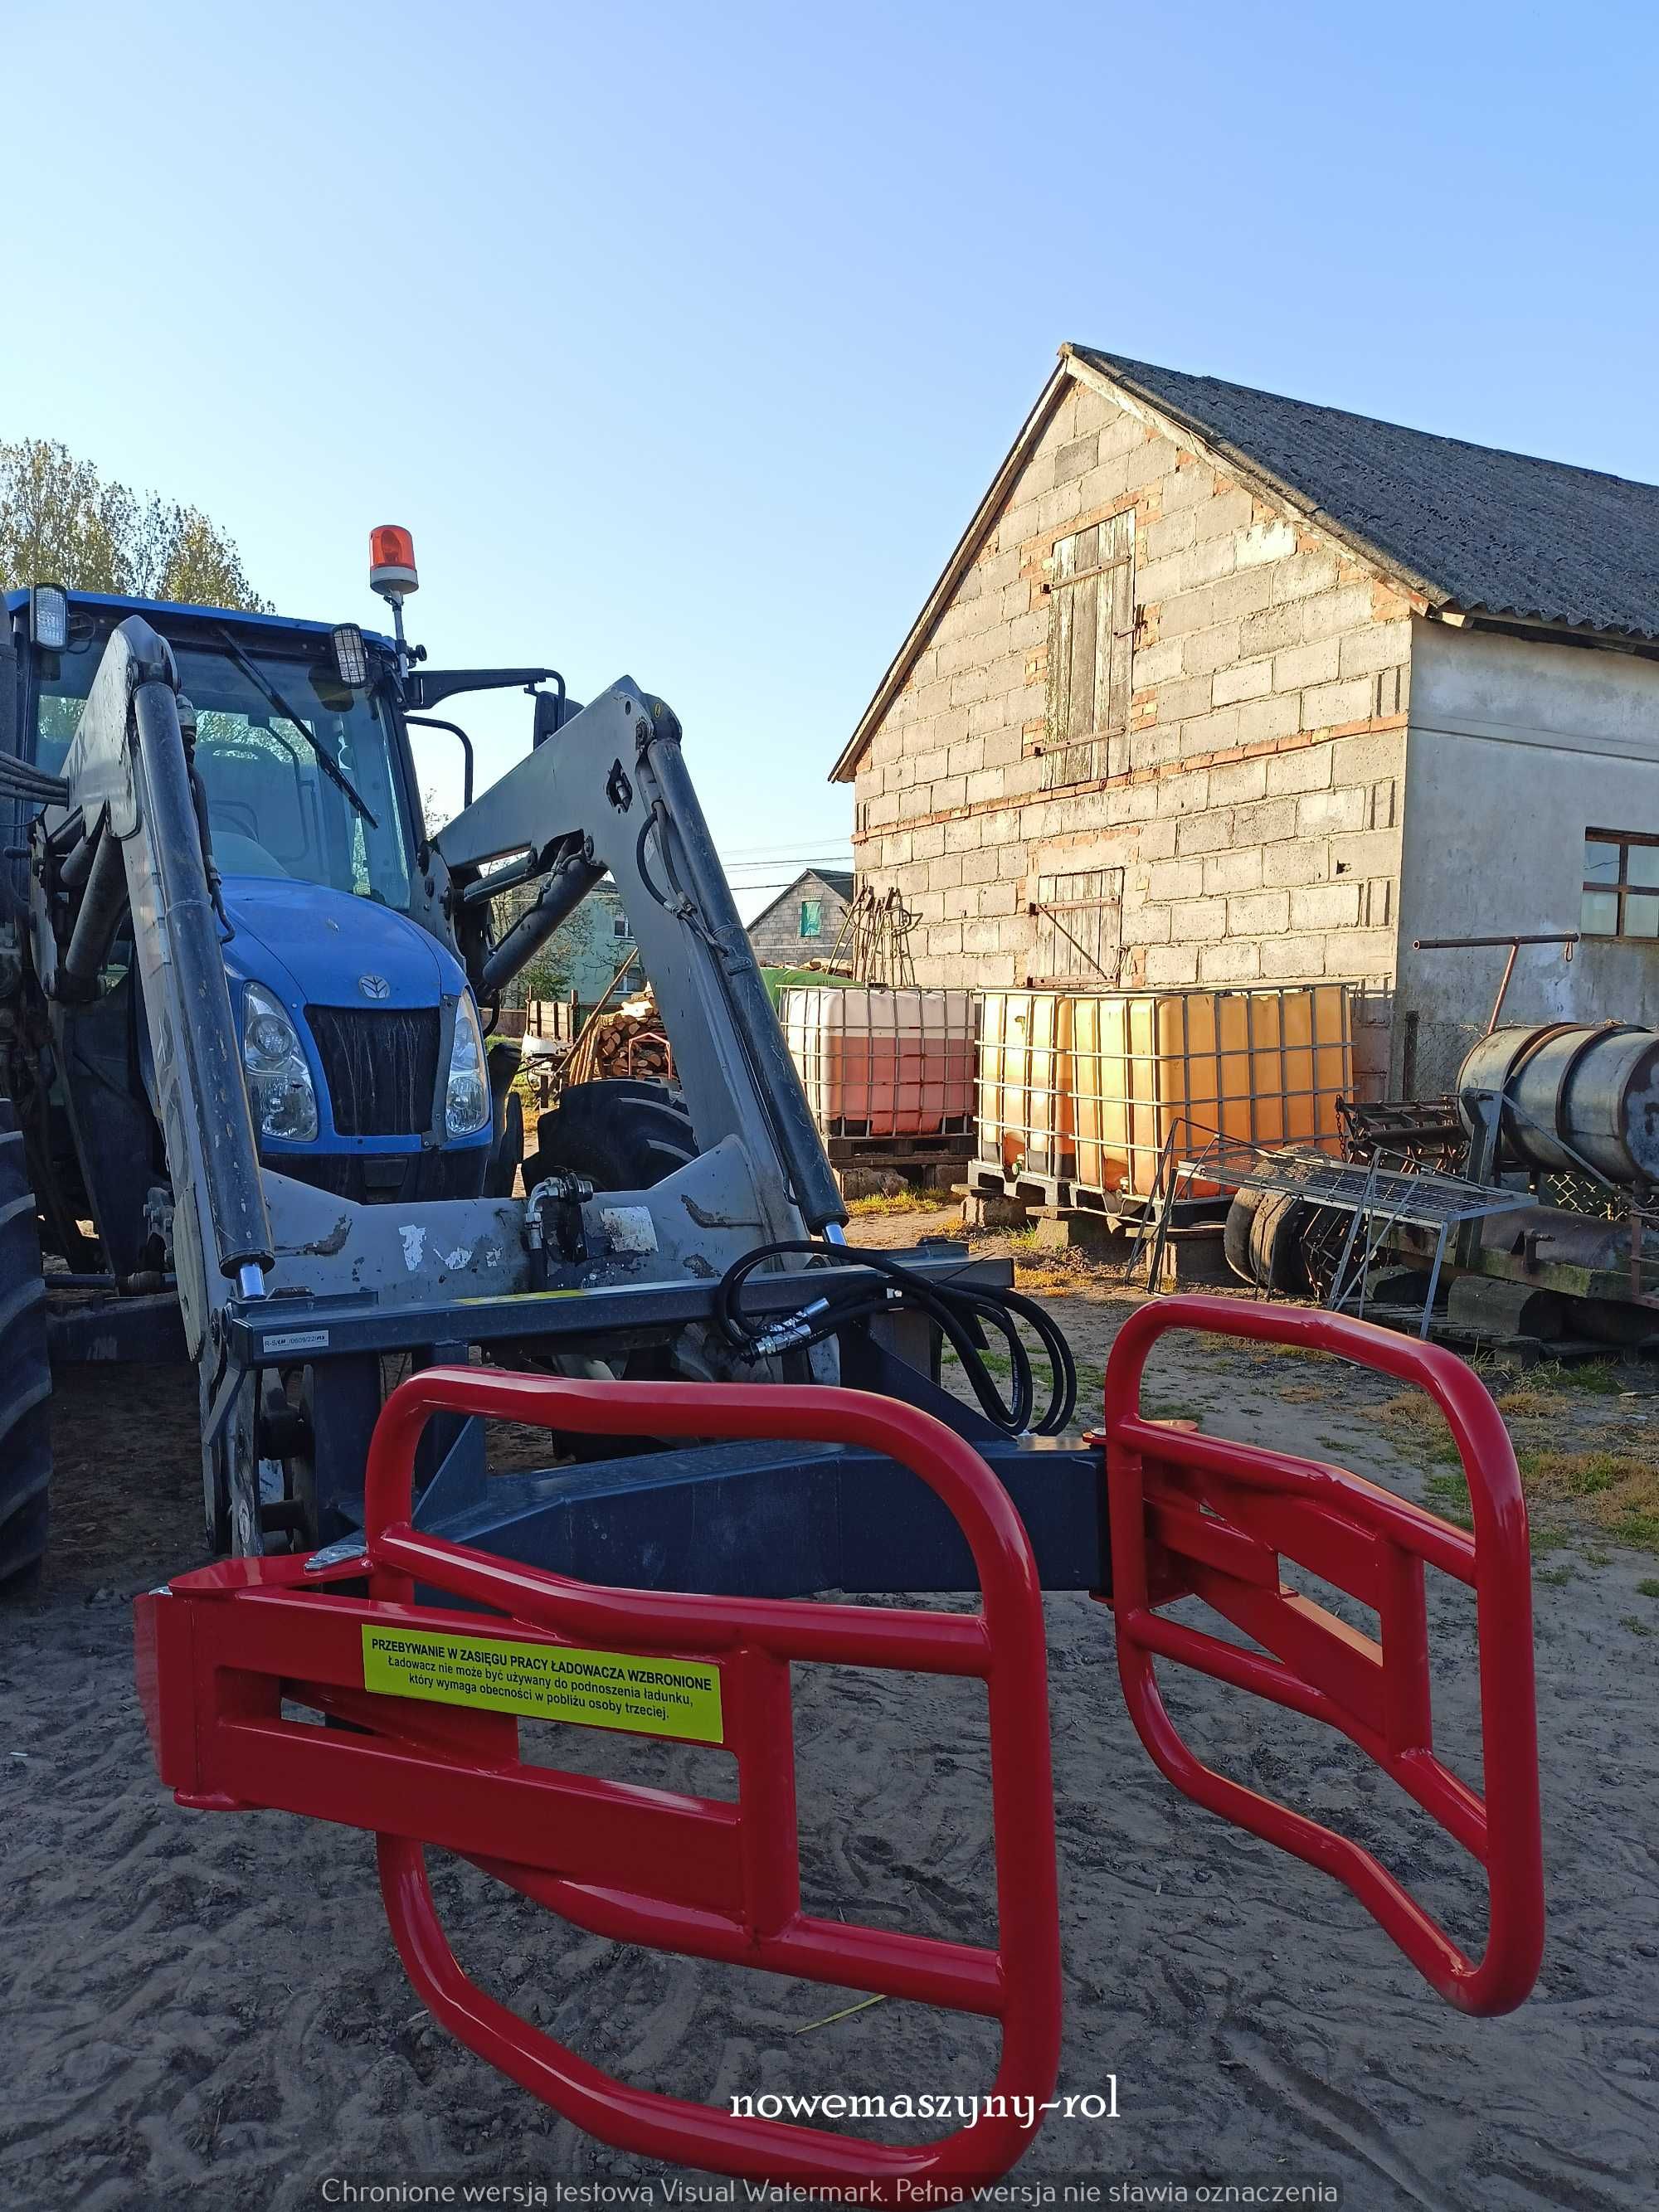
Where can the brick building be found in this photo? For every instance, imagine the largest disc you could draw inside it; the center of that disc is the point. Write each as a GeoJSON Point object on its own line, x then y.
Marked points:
{"type": "Point", "coordinates": [1220, 687]}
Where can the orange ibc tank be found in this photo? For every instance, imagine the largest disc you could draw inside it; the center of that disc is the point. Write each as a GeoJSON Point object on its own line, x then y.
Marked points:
{"type": "Point", "coordinates": [1024, 1087]}
{"type": "Point", "coordinates": [882, 1063]}
{"type": "Point", "coordinates": [1182, 1068]}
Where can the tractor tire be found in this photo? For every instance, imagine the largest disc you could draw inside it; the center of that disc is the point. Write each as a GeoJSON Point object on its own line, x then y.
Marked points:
{"type": "Point", "coordinates": [1277, 1260]}
{"type": "Point", "coordinates": [622, 1134]}
{"type": "Point", "coordinates": [25, 1375]}
{"type": "Point", "coordinates": [1235, 1233]}
{"type": "Point", "coordinates": [508, 1152]}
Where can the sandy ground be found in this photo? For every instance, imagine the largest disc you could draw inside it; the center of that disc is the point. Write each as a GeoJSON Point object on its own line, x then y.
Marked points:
{"type": "Point", "coordinates": [207, 2011]}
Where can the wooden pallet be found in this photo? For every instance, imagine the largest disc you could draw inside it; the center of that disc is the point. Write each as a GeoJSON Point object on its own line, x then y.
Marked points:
{"type": "Point", "coordinates": [844, 1149]}
{"type": "Point", "coordinates": [1063, 1195]}
{"type": "Point", "coordinates": [956, 1133]}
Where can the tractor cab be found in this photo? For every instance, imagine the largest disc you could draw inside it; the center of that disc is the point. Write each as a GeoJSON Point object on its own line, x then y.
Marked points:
{"type": "Point", "coordinates": [363, 1048]}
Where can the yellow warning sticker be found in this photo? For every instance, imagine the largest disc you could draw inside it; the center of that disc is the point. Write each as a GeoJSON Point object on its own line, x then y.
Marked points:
{"type": "Point", "coordinates": [554, 1681]}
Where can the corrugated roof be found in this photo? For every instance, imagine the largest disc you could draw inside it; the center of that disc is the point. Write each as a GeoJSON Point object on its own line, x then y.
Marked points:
{"type": "Point", "coordinates": [1481, 530]}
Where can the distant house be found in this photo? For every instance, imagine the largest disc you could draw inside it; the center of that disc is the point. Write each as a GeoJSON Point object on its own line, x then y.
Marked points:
{"type": "Point", "coordinates": [601, 940]}
{"type": "Point", "coordinates": [1220, 687]}
{"type": "Point", "coordinates": [803, 922]}
{"type": "Point", "coordinates": [583, 955]}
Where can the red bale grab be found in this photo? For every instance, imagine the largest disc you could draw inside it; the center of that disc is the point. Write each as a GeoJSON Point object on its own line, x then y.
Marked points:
{"type": "Point", "coordinates": [434, 1694]}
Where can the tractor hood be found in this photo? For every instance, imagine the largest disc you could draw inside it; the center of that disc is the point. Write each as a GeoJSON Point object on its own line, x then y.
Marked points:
{"type": "Point", "coordinates": [325, 948]}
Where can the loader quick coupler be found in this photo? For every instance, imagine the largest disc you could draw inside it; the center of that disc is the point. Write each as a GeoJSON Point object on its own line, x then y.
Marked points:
{"type": "Point", "coordinates": [433, 1687]}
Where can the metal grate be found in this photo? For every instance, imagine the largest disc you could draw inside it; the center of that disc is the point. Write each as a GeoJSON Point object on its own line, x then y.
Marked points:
{"type": "Point", "coordinates": [1376, 1198]}
{"type": "Point", "coordinates": [1583, 1193]}
{"type": "Point", "coordinates": [381, 1067]}
{"type": "Point", "coordinates": [1403, 1194]}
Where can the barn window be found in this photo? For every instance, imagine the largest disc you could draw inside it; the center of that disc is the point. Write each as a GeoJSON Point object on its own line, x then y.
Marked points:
{"type": "Point", "coordinates": [1621, 885]}
{"type": "Point", "coordinates": [1092, 618]}
{"type": "Point", "coordinates": [812, 917]}
{"type": "Point", "coordinates": [1079, 927]}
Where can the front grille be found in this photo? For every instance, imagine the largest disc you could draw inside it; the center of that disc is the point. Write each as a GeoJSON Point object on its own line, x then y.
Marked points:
{"type": "Point", "coordinates": [381, 1067]}
{"type": "Point", "coordinates": [391, 1178]}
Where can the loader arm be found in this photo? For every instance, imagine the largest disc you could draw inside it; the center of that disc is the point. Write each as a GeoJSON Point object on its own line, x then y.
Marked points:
{"type": "Point", "coordinates": [609, 792]}
{"type": "Point", "coordinates": [130, 838]}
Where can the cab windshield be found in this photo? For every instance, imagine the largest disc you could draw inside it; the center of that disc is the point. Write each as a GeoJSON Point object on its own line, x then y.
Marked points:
{"type": "Point", "coordinates": [308, 789]}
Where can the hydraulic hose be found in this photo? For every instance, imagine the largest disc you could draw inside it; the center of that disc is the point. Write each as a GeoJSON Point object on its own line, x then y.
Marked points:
{"type": "Point", "coordinates": [963, 1311]}
{"type": "Point", "coordinates": [20, 779]}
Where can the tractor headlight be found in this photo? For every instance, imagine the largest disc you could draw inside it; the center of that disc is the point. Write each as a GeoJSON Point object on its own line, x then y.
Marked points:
{"type": "Point", "coordinates": [279, 1086]}
{"type": "Point", "coordinates": [467, 1104]}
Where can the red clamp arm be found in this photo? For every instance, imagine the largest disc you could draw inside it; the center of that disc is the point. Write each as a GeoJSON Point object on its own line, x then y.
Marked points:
{"type": "Point", "coordinates": [1197, 1515]}
{"type": "Point", "coordinates": [222, 1653]}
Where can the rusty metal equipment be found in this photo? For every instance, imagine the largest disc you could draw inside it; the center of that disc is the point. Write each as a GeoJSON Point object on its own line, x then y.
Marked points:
{"type": "Point", "coordinates": [1332, 1221]}
{"type": "Point", "coordinates": [431, 1648]}
{"type": "Point", "coordinates": [1410, 1132]}
{"type": "Point", "coordinates": [874, 938]}
{"type": "Point", "coordinates": [1529, 1195]}
{"type": "Point", "coordinates": [1564, 1095]}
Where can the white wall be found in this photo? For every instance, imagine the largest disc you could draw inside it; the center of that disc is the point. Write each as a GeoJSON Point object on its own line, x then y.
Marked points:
{"type": "Point", "coordinates": [1514, 750]}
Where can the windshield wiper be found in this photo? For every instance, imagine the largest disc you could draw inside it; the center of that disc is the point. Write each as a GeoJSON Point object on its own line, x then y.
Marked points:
{"type": "Point", "coordinates": [326, 760]}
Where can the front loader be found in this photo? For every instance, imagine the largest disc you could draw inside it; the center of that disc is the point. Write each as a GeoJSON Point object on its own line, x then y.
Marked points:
{"type": "Point", "coordinates": [246, 1003]}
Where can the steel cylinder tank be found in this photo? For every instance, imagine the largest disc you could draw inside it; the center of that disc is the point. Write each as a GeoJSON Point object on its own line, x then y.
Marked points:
{"type": "Point", "coordinates": [1569, 1090]}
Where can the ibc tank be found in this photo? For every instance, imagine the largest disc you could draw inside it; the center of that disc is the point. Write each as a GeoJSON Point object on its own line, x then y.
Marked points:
{"type": "Point", "coordinates": [1024, 1083]}
{"type": "Point", "coordinates": [1262, 1066]}
{"type": "Point", "coordinates": [1562, 1084]}
{"type": "Point", "coordinates": [879, 1062]}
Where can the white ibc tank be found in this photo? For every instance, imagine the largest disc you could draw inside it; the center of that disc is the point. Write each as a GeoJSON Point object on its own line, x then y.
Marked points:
{"type": "Point", "coordinates": [882, 1063]}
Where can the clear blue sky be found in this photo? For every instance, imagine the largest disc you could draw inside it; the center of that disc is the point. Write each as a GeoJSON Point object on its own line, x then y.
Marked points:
{"type": "Point", "coordinates": [685, 338]}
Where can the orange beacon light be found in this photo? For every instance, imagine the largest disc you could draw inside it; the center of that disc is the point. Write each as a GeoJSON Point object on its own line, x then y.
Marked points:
{"type": "Point", "coordinates": [391, 562]}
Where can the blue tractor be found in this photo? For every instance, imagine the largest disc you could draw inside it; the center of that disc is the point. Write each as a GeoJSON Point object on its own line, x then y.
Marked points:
{"type": "Point", "coordinates": [250, 1110]}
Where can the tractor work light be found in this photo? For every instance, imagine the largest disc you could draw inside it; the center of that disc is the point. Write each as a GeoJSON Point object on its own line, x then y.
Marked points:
{"type": "Point", "coordinates": [391, 562]}
{"type": "Point", "coordinates": [49, 617]}
{"type": "Point", "coordinates": [351, 654]}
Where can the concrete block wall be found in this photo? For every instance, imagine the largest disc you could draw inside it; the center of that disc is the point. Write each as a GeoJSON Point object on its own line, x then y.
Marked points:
{"type": "Point", "coordinates": [1257, 818]}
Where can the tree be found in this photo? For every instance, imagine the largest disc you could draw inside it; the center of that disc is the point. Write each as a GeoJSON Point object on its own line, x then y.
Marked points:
{"type": "Point", "coordinates": [180, 554]}
{"type": "Point", "coordinates": [62, 523]}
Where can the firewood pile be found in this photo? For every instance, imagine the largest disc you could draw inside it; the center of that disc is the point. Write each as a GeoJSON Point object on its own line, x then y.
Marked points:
{"type": "Point", "coordinates": [625, 1040]}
